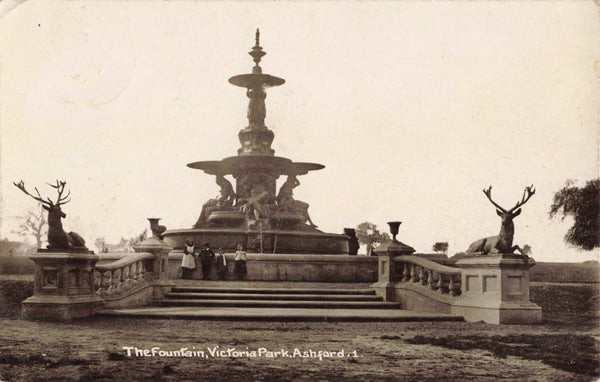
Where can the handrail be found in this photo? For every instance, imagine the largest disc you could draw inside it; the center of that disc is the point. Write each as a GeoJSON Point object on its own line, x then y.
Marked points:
{"type": "Point", "coordinates": [123, 274]}
{"type": "Point", "coordinates": [428, 264]}
{"type": "Point", "coordinates": [131, 258]}
{"type": "Point", "coordinates": [441, 278]}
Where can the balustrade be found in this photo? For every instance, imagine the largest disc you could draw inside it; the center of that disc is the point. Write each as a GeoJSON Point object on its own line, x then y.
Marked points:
{"type": "Point", "coordinates": [123, 274]}
{"type": "Point", "coordinates": [439, 278]}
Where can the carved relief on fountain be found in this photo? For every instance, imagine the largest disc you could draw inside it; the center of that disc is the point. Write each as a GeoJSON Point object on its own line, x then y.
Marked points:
{"type": "Point", "coordinates": [256, 194]}
{"type": "Point", "coordinates": [256, 141]}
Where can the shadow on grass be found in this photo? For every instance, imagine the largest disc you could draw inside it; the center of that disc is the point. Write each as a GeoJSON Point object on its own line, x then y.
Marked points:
{"type": "Point", "coordinates": [572, 353]}
{"type": "Point", "coordinates": [40, 360]}
{"type": "Point", "coordinates": [568, 306]}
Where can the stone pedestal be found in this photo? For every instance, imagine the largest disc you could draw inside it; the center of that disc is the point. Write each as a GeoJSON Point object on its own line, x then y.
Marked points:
{"type": "Point", "coordinates": [63, 286]}
{"type": "Point", "coordinates": [160, 249]}
{"type": "Point", "coordinates": [495, 289]}
{"type": "Point", "coordinates": [385, 267]}
{"type": "Point", "coordinates": [159, 266]}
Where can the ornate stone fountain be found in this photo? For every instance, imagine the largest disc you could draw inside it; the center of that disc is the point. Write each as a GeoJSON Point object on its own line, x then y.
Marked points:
{"type": "Point", "coordinates": [253, 212]}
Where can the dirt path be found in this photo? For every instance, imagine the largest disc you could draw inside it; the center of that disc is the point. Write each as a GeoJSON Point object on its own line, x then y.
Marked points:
{"type": "Point", "coordinates": [93, 349]}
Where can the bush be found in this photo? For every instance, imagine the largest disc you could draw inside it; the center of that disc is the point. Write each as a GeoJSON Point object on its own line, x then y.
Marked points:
{"type": "Point", "coordinates": [16, 265]}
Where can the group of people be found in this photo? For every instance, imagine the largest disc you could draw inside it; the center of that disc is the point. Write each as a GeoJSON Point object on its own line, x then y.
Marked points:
{"type": "Point", "coordinates": [208, 259]}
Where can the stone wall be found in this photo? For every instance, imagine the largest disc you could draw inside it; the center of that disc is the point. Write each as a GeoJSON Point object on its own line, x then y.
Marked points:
{"type": "Point", "coordinates": [282, 267]}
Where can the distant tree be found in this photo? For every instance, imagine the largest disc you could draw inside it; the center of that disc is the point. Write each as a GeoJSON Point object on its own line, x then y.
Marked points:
{"type": "Point", "coordinates": [440, 246]}
{"type": "Point", "coordinates": [526, 249]}
{"type": "Point", "coordinates": [583, 204]}
{"type": "Point", "coordinates": [34, 224]}
{"type": "Point", "coordinates": [367, 233]}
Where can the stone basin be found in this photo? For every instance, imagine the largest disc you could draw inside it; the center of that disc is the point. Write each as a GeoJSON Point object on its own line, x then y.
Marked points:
{"type": "Point", "coordinates": [274, 241]}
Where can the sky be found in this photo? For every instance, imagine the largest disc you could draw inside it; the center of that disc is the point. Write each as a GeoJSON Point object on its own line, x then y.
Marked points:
{"type": "Point", "coordinates": [413, 108]}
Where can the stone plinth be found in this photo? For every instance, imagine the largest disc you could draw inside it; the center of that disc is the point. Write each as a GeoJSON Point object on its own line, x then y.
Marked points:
{"type": "Point", "coordinates": [63, 286]}
{"type": "Point", "coordinates": [161, 250]}
{"type": "Point", "coordinates": [385, 267]}
{"type": "Point", "coordinates": [495, 289]}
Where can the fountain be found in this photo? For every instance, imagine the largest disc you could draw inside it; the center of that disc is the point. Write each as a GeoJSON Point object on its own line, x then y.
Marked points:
{"type": "Point", "coordinates": [255, 214]}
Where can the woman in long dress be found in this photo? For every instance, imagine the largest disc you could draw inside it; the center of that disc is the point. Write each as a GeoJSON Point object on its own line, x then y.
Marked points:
{"type": "Point", "coordinates": [187, 261]}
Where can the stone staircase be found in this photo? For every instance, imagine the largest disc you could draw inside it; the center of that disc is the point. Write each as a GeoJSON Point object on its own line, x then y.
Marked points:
{"type": "Point", "coordinates": [305, 298]}
{"type": "Point", "coordinates": [283, 301]}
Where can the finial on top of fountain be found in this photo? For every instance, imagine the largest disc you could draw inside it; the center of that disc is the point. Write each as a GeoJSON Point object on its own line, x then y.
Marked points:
{"type": "Point", "coordinates": [257, 53]}
{"type": "Point", "coordinates": [256, 79]}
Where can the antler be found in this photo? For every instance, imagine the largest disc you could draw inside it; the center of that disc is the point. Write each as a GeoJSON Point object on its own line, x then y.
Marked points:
{"type": "Point", "coordinates": [21, 186]}
{"type": "Point", "coordinates": [527, 193]}
{"type": "Point", "coordinates": [488, 193]}
{"type": "Point", "coordinates": [60, 187]}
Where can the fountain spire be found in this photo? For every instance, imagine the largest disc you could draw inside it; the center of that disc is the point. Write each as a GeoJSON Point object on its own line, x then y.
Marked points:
{"type": "Point", "coordinates": [256, 138]}
{"type": "Point", "coordinates": [257, 53]}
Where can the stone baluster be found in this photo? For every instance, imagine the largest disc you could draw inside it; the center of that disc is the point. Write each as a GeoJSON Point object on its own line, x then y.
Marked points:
{"type": "Point", "coordinates": [440, 286]}
{"type": "Point", "coordinates": [121, 277]}
{"type": "Point", "coordinates": [452, 286]}
{"type": "Point", "coordinates": [142, 269]}
{"type": "Point", "coordinates": [112, 281]}
{"type": "Point", "coordinates": [145, 273]}
{"type": "Point", "coordinates": [423, 276]}
{"type": "Point", "coordinates": [416, 273]}
{"type": "Point", "coordinates": [106, 284]}
{"type": "Point", "coordinates": [407, 267]}
{"type": "Point", "coordinates": [399, 267]}
{"type": "Point", "coordinates": [137, 271]}
{"type": "Point", "coordinates": [130, 274]}
{"type": "Point", "coordinates": [98, 283]}
{"type": "Point", "coordinates": [432, 281]}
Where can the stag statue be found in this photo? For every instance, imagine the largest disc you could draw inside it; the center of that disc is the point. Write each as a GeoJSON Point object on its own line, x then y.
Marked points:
{"type": "Point", "coordinates": [503, 242]}
{"type": "Point", "coordinates": [58, 239]}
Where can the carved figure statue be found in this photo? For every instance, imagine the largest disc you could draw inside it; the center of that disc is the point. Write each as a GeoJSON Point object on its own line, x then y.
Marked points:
{"type": "Point", "coordinates": [286, 201]}
{"type": "Point", "coordinates": [226, 194]}
{"type": "Point", "coordinates": [209, 206]}
{"type": "Point", "coordinates": [256, 106]}
{"type": "Point", "coordinates": [225, 199]}
{"type": "Point", "coordinates": [57, 238]}
{"type": "Point", "coordinates": [503, 242]}
{"type": "Point", "coordinates": [256, 204]}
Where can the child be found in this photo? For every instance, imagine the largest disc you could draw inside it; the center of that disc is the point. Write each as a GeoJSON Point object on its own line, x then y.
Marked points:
{"type": "Point", "coordinates": [221, 264]}
{"type": "Point", "coordinates": [207, 256]}
{"type": "Point", "coordinates": [240, 262]}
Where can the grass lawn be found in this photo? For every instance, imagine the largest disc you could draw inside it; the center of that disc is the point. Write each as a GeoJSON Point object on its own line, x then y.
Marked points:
{"type": "Point", "coordinates": [564, 348]}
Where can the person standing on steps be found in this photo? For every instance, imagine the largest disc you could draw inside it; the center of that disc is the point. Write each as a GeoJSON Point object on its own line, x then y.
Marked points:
{"type": "Point", "coordinates": [207, 257]}
{"type": "Point", "coordinates": [187, 261]}
{"type": "Point", "coordinates": [221, 264]}
{"type": "Point", "coordinates": [240, 262]}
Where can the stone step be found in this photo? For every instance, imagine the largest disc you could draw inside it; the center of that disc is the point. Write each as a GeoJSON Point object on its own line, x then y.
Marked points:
{"type": "Point", "coordinates": [281, 304]}
{"type": "Point", "coordinates": [266, 296]}
{"type": "Point", "coordinates": [290, 290]}
{"type": "Point", "coordinates": [285, 315]}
